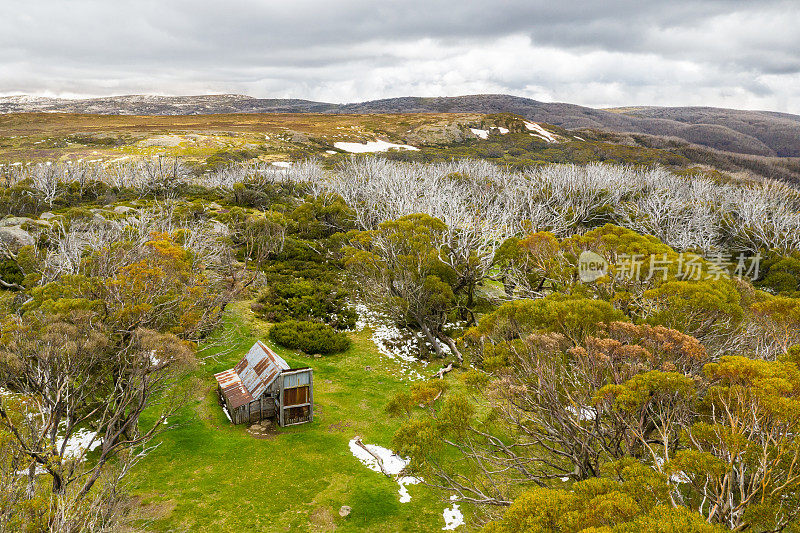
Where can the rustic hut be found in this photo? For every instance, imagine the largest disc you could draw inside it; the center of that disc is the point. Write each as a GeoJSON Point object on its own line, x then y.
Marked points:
{"type": "Point", "coordinates": [263, 386]}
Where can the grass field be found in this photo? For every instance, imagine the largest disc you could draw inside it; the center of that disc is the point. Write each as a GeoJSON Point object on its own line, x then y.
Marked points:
{"type": "Point", "coordinates": [208, 475]}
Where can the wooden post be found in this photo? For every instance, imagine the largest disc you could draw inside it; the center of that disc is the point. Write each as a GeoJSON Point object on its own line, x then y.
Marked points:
{"type": "Point", "coordinates": [280, 401]}
{"type": "Point", "coordinates": [311, 395]}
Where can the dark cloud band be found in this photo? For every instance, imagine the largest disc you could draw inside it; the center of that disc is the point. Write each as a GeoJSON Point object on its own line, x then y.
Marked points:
{"type": "Point", "coordinates": [714, 52]}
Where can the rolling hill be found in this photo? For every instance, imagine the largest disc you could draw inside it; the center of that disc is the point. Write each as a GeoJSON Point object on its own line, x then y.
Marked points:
{"type": "Point", "coordinates": [759, 133]}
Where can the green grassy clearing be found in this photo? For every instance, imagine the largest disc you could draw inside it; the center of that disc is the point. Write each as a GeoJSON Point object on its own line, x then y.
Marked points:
{"type": "Point", "coordinates": [208, 475]}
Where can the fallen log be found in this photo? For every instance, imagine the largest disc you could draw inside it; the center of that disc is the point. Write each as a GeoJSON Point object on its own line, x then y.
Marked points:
{"type": "Point", "coordinates": [377, 459]}
{"type": "Point", "coordinates": [442, 371]}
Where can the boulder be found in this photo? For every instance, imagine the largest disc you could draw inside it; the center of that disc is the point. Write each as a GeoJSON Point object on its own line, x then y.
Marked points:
{"type": "Point", "coordinates": [218, 228]}
{"type": "Point", "coordinates": [47, 215]}
{"type": "Point", "coordinates": [123, 209]}
{"type": "Point", "coordinates": [344, 510]}
{"type": "Point", "coordinates": [14, 221]}
{"type": "Point", "coordinates": [15, 237]}
{"type": "Point", "coordinates": [433, 134]}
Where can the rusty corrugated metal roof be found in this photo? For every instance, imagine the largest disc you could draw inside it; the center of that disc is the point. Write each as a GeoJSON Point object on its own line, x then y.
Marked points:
{"type": "Point", "coordinates": [275, 357]}
{"type": "Point", "coordinates": [232, 388]}
{"type": "Point", "coordinates": [249, 379]}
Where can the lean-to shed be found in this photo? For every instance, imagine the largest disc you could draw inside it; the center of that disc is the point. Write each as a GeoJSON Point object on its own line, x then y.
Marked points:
{"type": "Point", "coordinates": [263, 386]}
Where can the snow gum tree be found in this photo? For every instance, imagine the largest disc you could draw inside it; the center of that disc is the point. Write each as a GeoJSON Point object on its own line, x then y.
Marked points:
{"type": "Point", "coordinates": [716, 438]}
{"type": "Point", "coordinates": [82, 359]}
{"type": "Point", "coordinates": [399, 264]}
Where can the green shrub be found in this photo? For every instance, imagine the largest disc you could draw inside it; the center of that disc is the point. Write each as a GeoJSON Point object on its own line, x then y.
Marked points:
{"type": "Point", "coordinates": [10, 272]}
{"type": "Point", "coordinates": [305, 299]}
{"type": "Point", "coordinates": [286, 271]}
{"type": "Point", "coordinates": [309, 337]}
{"type": "Point", "coordinates": [572, 316]}
{"type": "Point", "coordinates": [781, 275]}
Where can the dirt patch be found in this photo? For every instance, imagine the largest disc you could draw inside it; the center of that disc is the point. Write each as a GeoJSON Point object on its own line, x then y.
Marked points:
{"type": "Point", "coordinates": [156, 510]}
{"type": "Point", "coordinates": [263, 431]}
{"type": "Point", "coordinates": [321, 519]}
{"type": "Point", "coordinates": [339, 427]}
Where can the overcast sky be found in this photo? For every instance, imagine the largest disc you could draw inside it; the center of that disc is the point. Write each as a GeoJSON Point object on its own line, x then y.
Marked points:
{"type": "Point", "coordinates": [728, 53]}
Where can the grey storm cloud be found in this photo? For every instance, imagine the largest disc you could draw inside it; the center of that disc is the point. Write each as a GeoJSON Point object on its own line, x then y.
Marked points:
{"type": "Point", "coordinates": [684, 52]}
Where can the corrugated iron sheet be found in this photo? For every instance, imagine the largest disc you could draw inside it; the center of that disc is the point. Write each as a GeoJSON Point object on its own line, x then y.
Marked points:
{"type": "Point", "coordinates": [232, 388]}
{"type": "Point", "coordinates": [297, 380]}
{"type": "Point", "coordinates": [248, 380]}
{"type": "Point", "coordinates": [275, 357]}
{"type": "Point", "coordinates": [296, 396]}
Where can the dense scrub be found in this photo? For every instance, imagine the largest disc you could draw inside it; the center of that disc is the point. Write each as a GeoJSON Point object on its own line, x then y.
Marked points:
{"type": "Point", "coordinates": [305, 300]}
{"type": "Point", "coordinates": [309, 337]}
{"type": "Point", "coordinates": [647, 393]}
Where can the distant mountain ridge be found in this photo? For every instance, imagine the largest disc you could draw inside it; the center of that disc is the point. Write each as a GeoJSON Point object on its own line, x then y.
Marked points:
{"type": "Point", "coordinates": [763, 133]}
{"type": "Point", "coordinates": [161, 105]}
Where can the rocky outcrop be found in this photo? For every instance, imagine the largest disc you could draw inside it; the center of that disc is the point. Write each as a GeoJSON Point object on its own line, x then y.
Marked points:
{"type": "Point", "coordinates": [14, 238]}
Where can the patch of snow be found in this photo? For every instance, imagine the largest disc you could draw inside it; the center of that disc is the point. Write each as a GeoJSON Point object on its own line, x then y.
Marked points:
{"type": "Point", "coordinates": [677, 477]}
{"type": "Point", "coordinates": [282, 164]}
{"type": "Point", "coordinates": [584, 413]}
{"type": "Point", "coordinates": [366, 317]}
{"type": "Point", "coordinates": [394, 342]}
{"type": "Point", "coordinates": [405, 497]}
{"type": "Point", "coordinates": [541, 131]}
{"type": "Point", "coordinates": [452, 517]}
{"type": "Point", "coordinates": [580, 138]}
{"type": "Point", "coordinates": [82, 439]}
{"type": "Point", "coordinates": [371, 146]}
{"type": "Point", "coordinates": [332, 152]}
{"type": "Point", "coordinates": [225, 410]}
{"type": "Point", "coordinates": [393, 464]}
{"type": "Point", "coordinates": [484, 134]}
{"type": "Point", "coordinates": [400, 345]}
